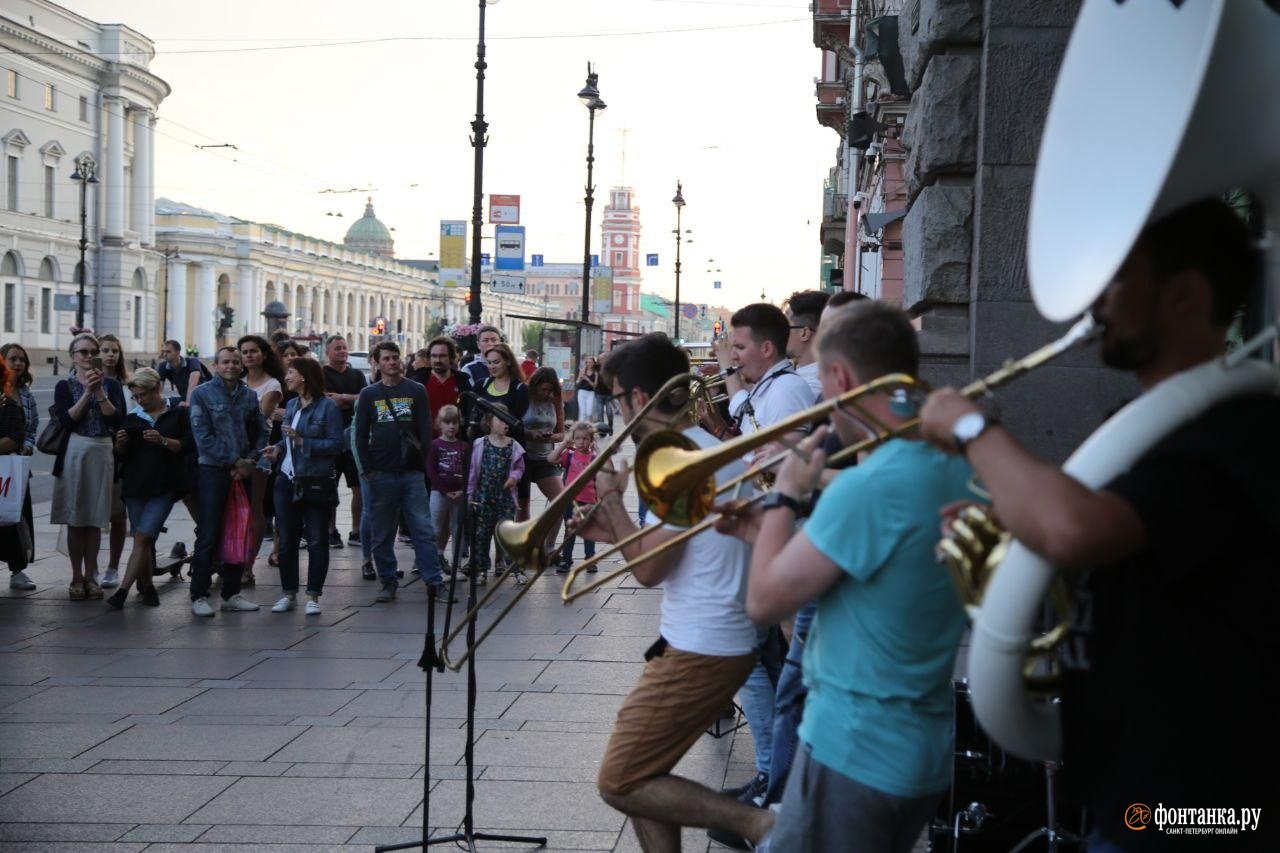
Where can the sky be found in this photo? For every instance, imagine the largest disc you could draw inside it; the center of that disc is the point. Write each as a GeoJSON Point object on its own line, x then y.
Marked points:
{"type": "Point", "coordinates": [715, 93]}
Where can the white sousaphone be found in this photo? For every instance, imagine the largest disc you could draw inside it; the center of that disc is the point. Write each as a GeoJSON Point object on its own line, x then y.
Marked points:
{"type": "Point", "coordinates": [1158, 103]}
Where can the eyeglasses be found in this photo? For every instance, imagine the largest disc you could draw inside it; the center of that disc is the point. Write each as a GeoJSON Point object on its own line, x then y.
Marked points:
{"type": "Point", "coordinates": [86, 352]}
{"type": "Point", "coordinates": [800, 326]}
{"type": "Point", "coordinates": [612, 401]}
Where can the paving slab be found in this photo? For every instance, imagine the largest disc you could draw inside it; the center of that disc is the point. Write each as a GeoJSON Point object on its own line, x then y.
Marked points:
{"type": "Point", "coordinates": [212, 743]}
{"type": "Point", "coordinates": [103, 700]}
{"type": "Point", "coordinates": [514, 806]}
{"type": "Point", "coordinates": [319, 672]}
{"type": "Point", "coordinates": [52, 740]}
{"type": "Point", "coordinates": [292, 702]}
{"type": "Point", "coordinates": [28, 667]}
{"type": "Point", "coordinates": [354, 745]}
{"type": "Point", "coordinates": [181, 663]}
{"type": "Point", "coordinates": [92, 798]}
{"type": "Point", "coordinates": [311, 802]}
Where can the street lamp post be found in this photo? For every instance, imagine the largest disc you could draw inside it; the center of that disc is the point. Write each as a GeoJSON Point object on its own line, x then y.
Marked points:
{"type": "Point", "coordinates": [86, 173]}
{"type": "Point", "coordinates": [479, 139]}
{"type": "Point", "coordinates": [678, 201]}
{"type": "Point", "coordinates": [590, 97]}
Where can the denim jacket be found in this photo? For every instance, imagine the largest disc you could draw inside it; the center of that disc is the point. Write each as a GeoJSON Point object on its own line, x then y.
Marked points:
{"type": "Point", "coordinates": [227, 425]}
{"type": "Point", "coordinates": [321, 429]}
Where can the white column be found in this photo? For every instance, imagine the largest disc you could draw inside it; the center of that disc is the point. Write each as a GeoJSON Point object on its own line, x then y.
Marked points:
{"type": "Point", "coordinates": [206, 305]}
{"type": "Point", "coordinates": [245, 275]}
{"type": "Point", "coordinates": [176, 325]}
{"type": "Point", "coordinates": [150, 130]}
{"type": "Point", "coordinates": [114, 171]}
{"type": "Point", "coordinates": [142, 189]}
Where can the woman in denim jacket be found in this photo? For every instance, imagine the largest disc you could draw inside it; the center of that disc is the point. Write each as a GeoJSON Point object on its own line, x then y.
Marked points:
{"type": "Point", "coordinates": [312, 430]}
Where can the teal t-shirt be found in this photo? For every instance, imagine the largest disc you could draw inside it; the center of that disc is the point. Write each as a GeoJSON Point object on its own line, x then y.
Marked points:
{"type": "Point", "coordinates": [881, 653]}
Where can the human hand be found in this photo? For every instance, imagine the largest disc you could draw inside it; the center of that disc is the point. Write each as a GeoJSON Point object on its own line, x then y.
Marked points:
{"type": "Point", "coordinates": [723, 349]}
{"type": "Point", "coordinates": [122, 438]}
{"type": "Point", "coordinates": [270, 453]}
{"type": "Point", "coordinates": [152, 436]}
{"type": "Point", "coordinates": [453, 496]}
{"type": "Point", "coordinates": [740, 519]}
{"type": "Point", "coordinates": [510, 483]}
{"type": "Point", "coordinates": [93, 381]}
{"type": "Point", "coordinates": [613, 479]}
{"type": "Point", "coordinates": [27, 451]}
{"type": "Point", "coordinates": [939, 414]}
{"type": "Point", "coordinates": [803, 467]}
{"type": "Point", "coordinates": [242, 469]}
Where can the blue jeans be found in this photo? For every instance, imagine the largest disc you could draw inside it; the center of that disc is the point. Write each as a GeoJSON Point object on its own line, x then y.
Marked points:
{"type": "Point", "coordinates": [388, 497]}
{"type": "Point", "coordinates": [214, 481]}
{"type": "Point", "coordinates": [147, 514]}
{"type": "Point", "coordinates": [291, 519]}
{"type": "Point", "coordinates": [788, 707]}
{"type": "Point", "coordinates": [756, 697]}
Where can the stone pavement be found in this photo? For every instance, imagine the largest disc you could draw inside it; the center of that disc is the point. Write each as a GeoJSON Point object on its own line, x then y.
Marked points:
{"type": "Point", "coordinates": [151, 728]}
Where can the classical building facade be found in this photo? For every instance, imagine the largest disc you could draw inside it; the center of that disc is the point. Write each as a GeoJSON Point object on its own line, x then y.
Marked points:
{"type": "Point", "coordinates": [217, 263]}
{"type": "Point", "coordinates": [74, 87]}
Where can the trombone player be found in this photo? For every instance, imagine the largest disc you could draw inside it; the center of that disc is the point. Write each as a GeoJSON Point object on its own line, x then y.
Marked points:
{"type": "Point", "coordinates": [877, 727]}
{"type": "Point", "coordinates": [1170, 689]}
{"type": "Point", "coordinates": [707, 643]}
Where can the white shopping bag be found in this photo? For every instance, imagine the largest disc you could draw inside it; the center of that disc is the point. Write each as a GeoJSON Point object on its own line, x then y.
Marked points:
{"type": "Point", "coordinates": [14, 471]}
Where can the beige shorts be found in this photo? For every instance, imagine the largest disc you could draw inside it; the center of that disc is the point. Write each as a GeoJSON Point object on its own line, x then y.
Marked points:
{"type": "Point", "coordinates": [679, 695]}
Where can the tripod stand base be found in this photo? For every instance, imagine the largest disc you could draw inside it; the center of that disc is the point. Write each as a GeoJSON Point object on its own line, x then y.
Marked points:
{"type": "Point", "coordinates": [471, 842]}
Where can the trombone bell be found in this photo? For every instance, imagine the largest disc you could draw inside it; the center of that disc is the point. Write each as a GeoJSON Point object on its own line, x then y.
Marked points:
{"type": "Point", "coordinates": [660, 459]}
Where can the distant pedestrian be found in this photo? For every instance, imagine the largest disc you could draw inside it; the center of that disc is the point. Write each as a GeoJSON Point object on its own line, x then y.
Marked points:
{"type": "Point", "coordinates": [113, 367]}
{"type": "Point", "coordinates": [576, 452]}
{"type": "Point", "coordinates": [445, 464]}
{"type": "Point", "coordinates": [19, 364]}
{"type": "Point", "coordinates": [149, 446]}
{"type": "Point", "coordinates": [90, 407]}
{"type": "Point", "coordinates": [14, 550]}
{"type": "Point", "coordinates": [497, 463]}
{"type": "Point", "coordinates": [487, 337]}
{"type": "Point", "coordinates": [393, 431]}
{"type": "Point", "coordinates": [286, 351]}
{"type": "Point", "coordinates": [229, 431]}
{"type": "Point", "coordinates": [530, 363]}
{"type": "Point", "coordinates": [265, 377]}
{"type": "Point", "coordinates": [305, 489]}
{"type": "Point", "coordinates": [343, 384]}
{"type": "Point", "coordinates": [588, 376]}
{"type": "Point", "coordinates": [183, 372]}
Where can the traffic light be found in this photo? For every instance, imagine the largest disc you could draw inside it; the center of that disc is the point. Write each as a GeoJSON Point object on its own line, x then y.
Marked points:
{"type": "Point", "coordinates": [380, 326]}
{"type": "Point", "coordinates": [466, 297]}
{"type": "Point", "coordinates": [228, 318]}
{"type": "Point", "coordinates": [716, 328]}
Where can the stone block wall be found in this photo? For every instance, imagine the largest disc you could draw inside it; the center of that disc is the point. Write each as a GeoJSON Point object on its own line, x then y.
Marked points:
{"type": "Point", "coordinates": [982, 74]}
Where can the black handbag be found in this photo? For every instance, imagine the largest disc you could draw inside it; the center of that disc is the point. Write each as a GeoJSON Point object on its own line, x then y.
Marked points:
{"type": "Point", "coordinates": [50, 439]}
{"type": "Point", "coordinates": [321, 491]}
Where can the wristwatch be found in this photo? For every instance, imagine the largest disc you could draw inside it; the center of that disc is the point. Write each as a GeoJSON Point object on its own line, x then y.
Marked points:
{"type": "Point", "coordinates": [773, 500]}
{"type": "Point", "coordinates": [969, 426]}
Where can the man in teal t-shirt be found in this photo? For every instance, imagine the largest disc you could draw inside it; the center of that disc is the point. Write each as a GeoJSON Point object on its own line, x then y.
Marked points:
{"type": "Point", "coordinates": [877, 728]}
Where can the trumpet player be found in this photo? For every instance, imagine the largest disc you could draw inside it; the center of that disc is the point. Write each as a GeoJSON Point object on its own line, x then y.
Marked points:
{"type": "Point", "coordinates": [1170, 693]}
{"type": "Point", "coordinates": [707, 643]}
{"type": "Point", "coordinates": [876, 734]}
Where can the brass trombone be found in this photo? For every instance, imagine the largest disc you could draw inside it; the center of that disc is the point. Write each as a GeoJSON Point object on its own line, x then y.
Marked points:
{"type": "Point", "coordinates": [677, 480]}
{"type": "Point", "coordinates": [525, 541]}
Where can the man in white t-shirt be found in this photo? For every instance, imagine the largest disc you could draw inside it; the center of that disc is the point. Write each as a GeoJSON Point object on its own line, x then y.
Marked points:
{"type": "Point", "coordinates": [707, 643]}
{"type": "Point", "coordinates": [803, 310]}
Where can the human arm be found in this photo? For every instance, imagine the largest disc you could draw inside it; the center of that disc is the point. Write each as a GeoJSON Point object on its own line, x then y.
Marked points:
{"type": "Point", "coordinates": [473, 473]}
{"type": "Point", "coordinates": [1051, 513]}
{"type": "Point", "coordinates": [202, 428]}
{"type": "Point", "coordinates": [112, 406]}
{"type": "Point", "coordinates": [724, 357]}
{"type": "Point", "coordinates": [433, 468]}
{"type": "Point", "coordinates": [269, 401]}
{"type": "Point", "coordinates": [329, 442]}
{"type": "Point", "coordinates": [261, 430]}
{"type": "Point", "coordinates": [363, 423]}
{"type": "Point", "coordinates": [611, 522]}
{"type": "Point", "coordinates": [12, 427]}
{"type": "Point", "coordinates": [193, 382]}
{"type": "Point", "coordinates": [69, 413]}
{"type": "Point", "coordinates": [421, 417]}
{"type": "Point", "coordinates": [32, 414]}
{"type": "Point", "coordinates": [517, 460]}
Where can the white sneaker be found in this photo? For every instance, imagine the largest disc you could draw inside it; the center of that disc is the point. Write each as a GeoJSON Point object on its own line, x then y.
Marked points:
{"type": "Point", "coordinates": [202, 607]}
{"type": "Point", "coordinates": [283, 605]}
{"type": "Point", "coordinates": [19, 580]}
{"type": "Point", "coordinates": [313, 608]}
{"type": "Point", "coordinates": [111, 580]}
{"type": "Point", "coordinates": [239, 603]}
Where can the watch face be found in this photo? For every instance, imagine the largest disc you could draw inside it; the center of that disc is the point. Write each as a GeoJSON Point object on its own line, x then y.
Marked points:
{"type": "Point", "coordinates": [968, 427]}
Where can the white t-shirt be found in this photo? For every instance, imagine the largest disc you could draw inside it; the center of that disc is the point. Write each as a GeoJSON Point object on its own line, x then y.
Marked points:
{"type": "Point", "coordinates": [776, 396]}
{"type": "Point", "coordinates": [704, 598]}
{"type": "Point", "coordinates": [286, 467]}
{"type": "Point", "coordinates": [268, 385]}
{"type": "Point", "coordinates": [809, 373]}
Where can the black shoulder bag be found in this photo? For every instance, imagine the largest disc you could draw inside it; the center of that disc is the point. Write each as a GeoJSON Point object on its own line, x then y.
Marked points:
{"type": "Point", "coordinates": [319, 491]}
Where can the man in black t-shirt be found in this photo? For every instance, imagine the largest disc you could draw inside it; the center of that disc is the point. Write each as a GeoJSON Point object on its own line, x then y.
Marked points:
{"type": "Point", "coordinates": [182, 372]}
{"type": "Point", "coordinates": [1170, 685]}
{"type": "Point", "coordinates": [342, 385]}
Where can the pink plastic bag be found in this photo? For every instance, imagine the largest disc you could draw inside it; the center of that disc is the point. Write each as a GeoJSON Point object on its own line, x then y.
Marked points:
{"type": "Point", "coordinates": [237, 527]}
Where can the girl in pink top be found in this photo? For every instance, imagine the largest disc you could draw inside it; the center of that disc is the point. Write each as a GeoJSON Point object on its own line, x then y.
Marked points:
{"type": "Point", "coordinates": [575, 454]}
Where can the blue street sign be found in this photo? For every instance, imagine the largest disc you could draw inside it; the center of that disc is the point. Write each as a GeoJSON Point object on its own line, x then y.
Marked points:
{"type": "Point", "coordinates": [651, 260]}
{"type": "Point", "coordinates": [535, 260]}
{"type": "Point", "coordinates": [716, 285]}
{"type": "Point", "coordinates": [595, 260]}
{"type": "Point", "coordinates": [509, 254]}
{"type": "Point", "coordinates": [484, 259]}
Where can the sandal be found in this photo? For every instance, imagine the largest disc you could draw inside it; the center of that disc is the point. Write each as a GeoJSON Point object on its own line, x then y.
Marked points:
{"type": "Point", "coordinates": [92, 590]}
{"type": "Point", "coordinates": [76, 592]}
{"type": "Point", "coordinates": [274, 560]}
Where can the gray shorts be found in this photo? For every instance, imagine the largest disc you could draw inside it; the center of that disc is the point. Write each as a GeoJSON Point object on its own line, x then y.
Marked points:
{"type": "Point", "coordinates": [823, 810]}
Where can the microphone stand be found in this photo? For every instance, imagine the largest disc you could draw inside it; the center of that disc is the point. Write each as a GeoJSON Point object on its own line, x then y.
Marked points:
{"type": "Point", "coordinates": [431, 660]}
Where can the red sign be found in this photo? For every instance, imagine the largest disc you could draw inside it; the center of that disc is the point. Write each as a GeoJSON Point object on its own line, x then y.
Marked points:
{"type": "Point", "coordinates": [504, 209]}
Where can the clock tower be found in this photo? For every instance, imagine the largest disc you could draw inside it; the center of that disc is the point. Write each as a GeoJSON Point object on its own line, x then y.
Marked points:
{"type": "Point", "coordinates": [620, 239]}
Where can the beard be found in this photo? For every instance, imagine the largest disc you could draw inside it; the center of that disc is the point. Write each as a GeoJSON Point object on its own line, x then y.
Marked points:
{"type": "Point", "coordinates": [1131, 354]}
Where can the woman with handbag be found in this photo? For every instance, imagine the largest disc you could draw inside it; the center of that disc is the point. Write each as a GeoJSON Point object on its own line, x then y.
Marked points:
{"type": "Point", "coordinates": [305, 488]}
{"type": "Point", "coordinates": [89, 407]}
{"type": "Point", "coordinates": [19, 364]}
{"type": "Point", "coordinates": [13, 544]}
{"type": "Point", "coordinates": [149, 448]}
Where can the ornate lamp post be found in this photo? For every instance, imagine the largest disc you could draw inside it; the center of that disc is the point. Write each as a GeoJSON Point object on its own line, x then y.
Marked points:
{"type": "Point", "coordinates": [678, 201]}
{"type": "Point", "coordinates": [86, 173]}
{"type": "Point", "coordinates": [590, 97]}
{"type": "Point", "coordinates": [479, 139]}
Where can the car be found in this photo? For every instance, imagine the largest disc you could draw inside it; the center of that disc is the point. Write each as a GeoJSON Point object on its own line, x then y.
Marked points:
{"type": "Point", "coordinates": [359, 360]}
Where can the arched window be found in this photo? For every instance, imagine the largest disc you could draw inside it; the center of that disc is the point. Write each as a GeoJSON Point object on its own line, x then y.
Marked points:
{"type": "Point", "coordinates": [11, 264]}
{"type": "Point", "coordinates": [49, 268]}
{"type": "Point", "coordinates": [139, 279]}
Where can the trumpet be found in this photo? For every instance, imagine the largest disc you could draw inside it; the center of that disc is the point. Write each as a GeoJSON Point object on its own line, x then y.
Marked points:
{"type": "Point", "coordinates": [525, 541]}
{"type": "Point", "coordinates": [677, 481]}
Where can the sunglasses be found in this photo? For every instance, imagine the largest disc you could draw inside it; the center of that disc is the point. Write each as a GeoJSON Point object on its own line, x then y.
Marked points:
{"type": "Point", "coordinates": [86, 352]}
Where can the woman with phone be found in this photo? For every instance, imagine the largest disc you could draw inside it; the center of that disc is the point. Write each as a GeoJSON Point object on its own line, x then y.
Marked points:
{"type": "Point", "coordinates": [154, 436]}
{"type": "Point", "coordinates": [90, 407]}
{"type": "Point", "coordinates": [113, 367]}
{"type": "Point", "coordinates": [305, 487]}
{"type": "Point", "coordinates": [19, 365]}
